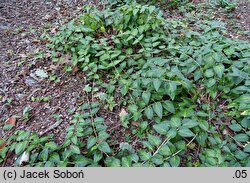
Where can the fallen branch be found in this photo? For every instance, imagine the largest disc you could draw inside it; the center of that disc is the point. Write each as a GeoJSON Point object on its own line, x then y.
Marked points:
{"type": "Point", "coordinates": [51, 128]}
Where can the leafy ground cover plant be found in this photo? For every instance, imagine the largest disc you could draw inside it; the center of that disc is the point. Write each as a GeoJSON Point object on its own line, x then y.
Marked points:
{"type": "Point", "coordinates": [188, 92]}
{"type": "Point", "coordinates": [227, 4]}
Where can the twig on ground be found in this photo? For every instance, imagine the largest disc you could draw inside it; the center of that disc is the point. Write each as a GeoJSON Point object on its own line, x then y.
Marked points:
{"type": "Point", "coordinates": [51, 127]}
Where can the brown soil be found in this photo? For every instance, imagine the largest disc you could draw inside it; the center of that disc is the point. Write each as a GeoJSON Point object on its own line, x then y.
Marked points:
{"type": "Point", "coordinates": [21, 24]}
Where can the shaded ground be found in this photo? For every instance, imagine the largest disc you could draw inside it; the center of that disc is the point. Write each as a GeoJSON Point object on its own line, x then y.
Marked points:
{"type": "Point", "coordinates": [21, 24]}
{"type": "Point", "coordinates": [238, 21]}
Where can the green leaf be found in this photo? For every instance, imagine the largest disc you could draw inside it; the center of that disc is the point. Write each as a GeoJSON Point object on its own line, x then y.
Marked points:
{"type": "Point", "coordinates": [129, 51]}
{"type": "Point", "coordinates": [219, 70]}
{"type": "Point", "coordinates": [74, 139]}
{"type": "Point", "coordinates": [158, 109]}
{"type": "Point", "coordinates": [75, 149]}
{"type": "Point", "coordinates": [87, 88]}
{"type": "Point", "coordinates": [115, 54]}
{"type": "Point", "coordinates": [126, 161]}
{"type": "Point", "coordinates": [98, 120]}
{"type": "Point", "coordinates": [241, 137]}
{"type": "Point", "coordinates": [238, 73]}
{"type": "Point", "coordinates": [188, 112]}
{"type": "Point", "coordinates": [185, 132]}
{"type": "Point", "coordinates": [172, 133]}
{"type": "Point", "coordinates": [134, 157]}
{"type": "Point", "coordinates": [148, 145]}
{"type": "Point", "coordinates": [175, 122]}
{"type": "Point", "coordinates": [245, 123]}
{"type": "Point", "coordinates": [44, 154]}
{"type": "Point", "coordinates": [188, 123]}
{"type": "Point", "coordinates": [162, 128]}
{"type": "Point", "coordinates": [102, 135]}
{"type": "Point", "coordinates": [159, 61]}
{"type": "Point", "coordinates": [235, 127]}
{"type": "Point", "coordinates": [209, 73]}
{"type": "Point", "coordinates": [81, 161]}
{"type": "Point", "coordinates": [137, 115]}
{"type": "Point", "coordinates": [112, 162]}
{"type": "Point", "coordinates": [197, 75]}
{"type": "Point", "coordinates": [211, 82]}
{"type": "Point", "coordinates": [157, 84]}
{"type": "Point", "coordinates": [20, 147]}
{"type": "Point", "coordinates": [165, 150]}
{"type": "Point", "coordinates": [51, 145]}
{"type": "Point", "coordinates": [175, 161]}
{"type": "Point", "coordinates": [157, 159]}
{"type": "Point", "coordinates": [204, 125]}
{"type": "Point", "coordinates": [134, 32]}
{"type": "Point", "coordinates": [91, 142]}
{"type": "Point", "coordinates": [144, 155]}
{"type": "Point", "coordinates": [154, 140]}
{"type": "Point", "coordinates": [7, 127]}
{"type": "Point", "coordinates": [133, 108]}
{"type": "Point", "coordinates": [124, 146]}
{"type": "Point", "coordinates": [104, 57]}
{"type": "Point", "coordinates": [94, 111]}
{"type": "Point", "coordinates": [97, 156]}
{"type": "Point", "coordinates": [55, 158]}
{"type": "Point", "coordinates": [104, 147]}
{"type": "Point", "coordinates": [171, 89]}
{"type": "Point", "coordinates": [245, 99]}
{"type": "Point", "coordinates": [168, 105]}
{"type": "Point", "coordinates": [149, 112]}
{"type": "Point", "coordinates": [49, 164]}
{"type": "Point", "coordinates": [202, 114]}
{"type": "Point", "coordinates": [33, 157]}
{"type": "Point", "coordinates": [240, 154]}
{"type": "Point", "coordinates": [23, 135]}
{"type": "Point", "coordinates": [146, 96]}
{"type": "Point", "coordinates": [247, 148]}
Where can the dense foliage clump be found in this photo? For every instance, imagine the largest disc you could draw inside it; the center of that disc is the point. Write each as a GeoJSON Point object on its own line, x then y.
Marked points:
{"type": "Point", "coordinates": [188, 92]}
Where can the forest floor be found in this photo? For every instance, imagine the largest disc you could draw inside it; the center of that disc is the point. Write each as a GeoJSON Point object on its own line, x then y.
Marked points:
{"type": "Point", "coordinates": [36, 103]}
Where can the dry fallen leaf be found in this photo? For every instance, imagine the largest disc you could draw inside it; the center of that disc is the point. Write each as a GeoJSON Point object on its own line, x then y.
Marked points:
{"type": "Point", "coordinates": [47, 17]}
{"type": "Point", "coordinates": [11, 121]}
{"type": "Point", "coordinates": [54, 30]}
{"type": "Point", "coordinates": [35, 41]}
{"type": "Point", "coordinates": [22, 55]}
{"type": "Point", "coordinates": [123, 113]}
{"type": "Point", "coordinates": [24, 158]}
{"type": "Point", "coordinates": [75, 69]}
{"type": "Point", "coordinates": [136, 123]}
{"type": "Point", "coordinates": [2, 144]}
{"type": "Point", "coordinates": [41, 73]}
